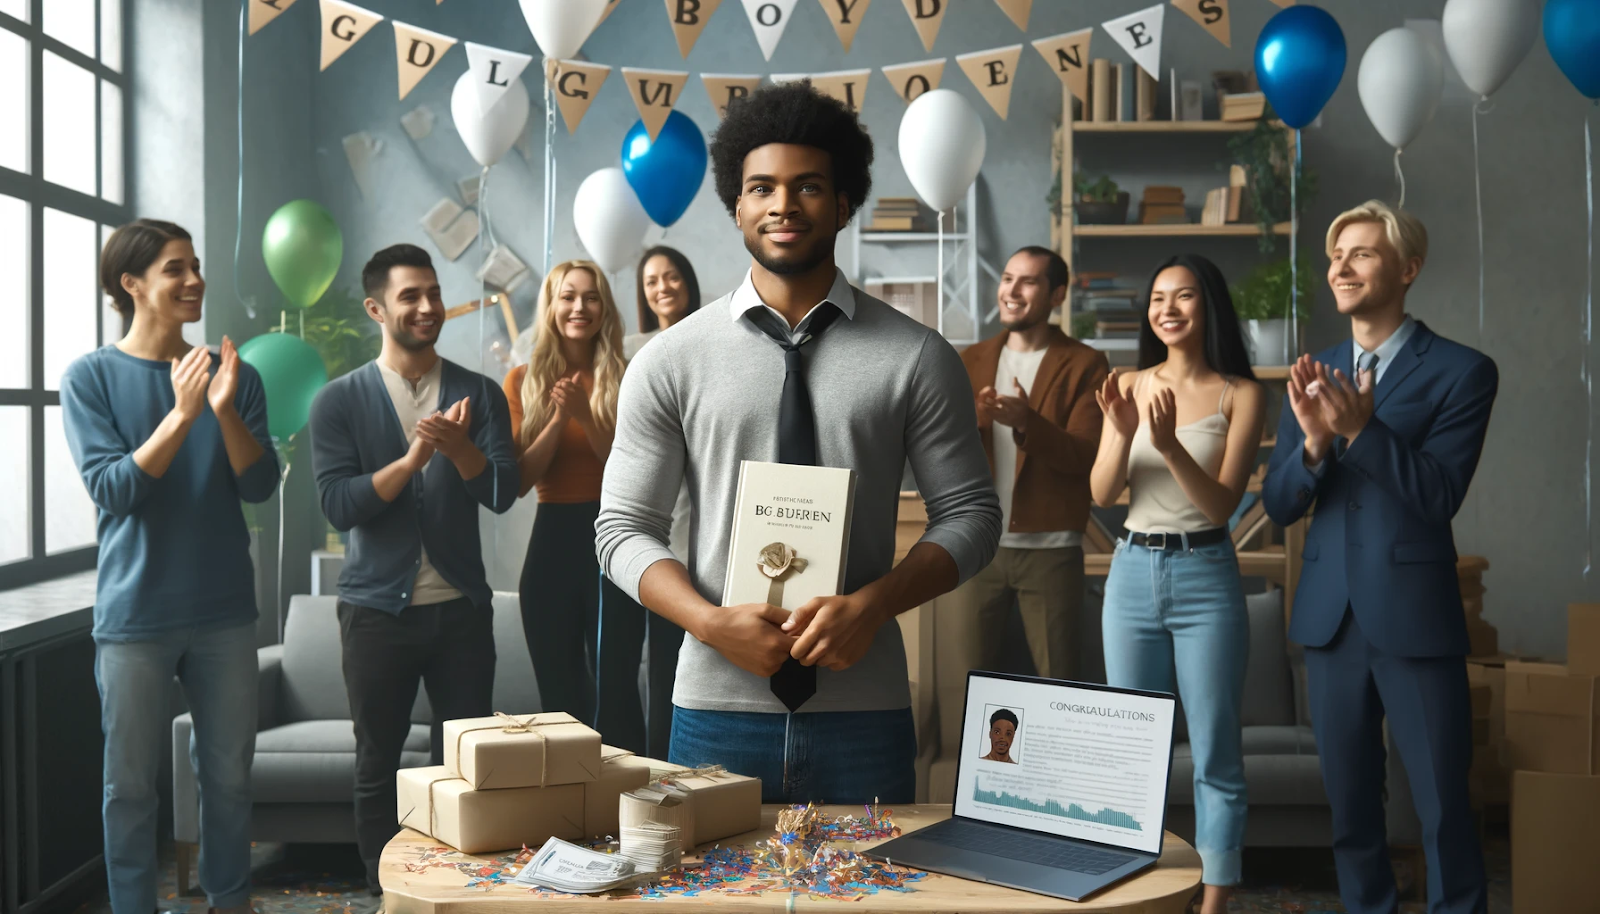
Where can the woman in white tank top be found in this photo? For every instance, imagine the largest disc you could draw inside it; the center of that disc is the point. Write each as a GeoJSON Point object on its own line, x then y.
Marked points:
{"type": "Point", "coordinates": [1181, 436]}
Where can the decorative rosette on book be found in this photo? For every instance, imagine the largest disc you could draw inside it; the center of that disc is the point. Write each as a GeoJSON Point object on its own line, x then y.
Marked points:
{"type": "Point", "coordinates": [780, 562]}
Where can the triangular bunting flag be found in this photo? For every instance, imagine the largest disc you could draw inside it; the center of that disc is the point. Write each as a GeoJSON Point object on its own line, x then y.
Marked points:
{"type": "Point", "coordinates": [493, 70]}
{"type": "Point", "coordinates": [1017, 11]}
{"type": "Point", "coordinates": [1212, 14]}
{"type": "Point", "coordinates": [848, 86]}
{"type": "Point", "coordinates": [1068, 56]}
{"type": "Point", "coordinates": [264, 11]}
{"type": "Point", "coordinates": [768, 18]}
{"type": "Point", "coordinates": [992, 71]}
{"type": "Point", "coordinates": [845, 16]}
{"type": "Point", "coordinates": [417, 51]}
{"type": "Point", "coordinates": [688, 18]}
{"type": "Point", "coordinates": [604, 15]}
{"type": "Point", "coordinates": [927, 16]}
{"type": "Point", "coordinates": [343, 24]}
{"type": "Point", "coordinates": [574, 84]}
{"type": "Point", "coordinates": [1284, 3]}
{"type": "Point", "coordinates": [654, 93]}
{"type": "Point", "coordinates": [724, 88]}
{"type": "Point", "coordinates": [912, 79]}
{"type": "Point", "coordinates": [1140, 35]}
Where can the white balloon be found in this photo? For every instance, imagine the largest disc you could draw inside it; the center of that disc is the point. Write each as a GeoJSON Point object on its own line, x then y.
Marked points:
{"type": "Point", "coordinates": [561, 26]}
{"type": "Point", "coordinates": [942, 143]}
{"type": "Point", "coordinates": [1401, 81]}
{"type": "Point", "coordinates": [488, 134]}
{"type": "Point", "coordinates": [1488, 39]}
{"type": "Point", "coordinates": [610, 220]}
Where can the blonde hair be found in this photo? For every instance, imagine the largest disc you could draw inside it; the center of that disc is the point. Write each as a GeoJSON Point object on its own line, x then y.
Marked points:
{"type": "Point", "coordinates": [548, 365]}
{"type": "Point", "coordinates": [1404, 231]}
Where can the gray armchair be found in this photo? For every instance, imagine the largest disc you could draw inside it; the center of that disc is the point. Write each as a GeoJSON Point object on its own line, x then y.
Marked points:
{"type": "Point", "coordinates": [303, 777]}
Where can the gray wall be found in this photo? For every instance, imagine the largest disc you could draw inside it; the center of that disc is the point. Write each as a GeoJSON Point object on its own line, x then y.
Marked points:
{"type": "Point", "coordinates": [1525, 512]}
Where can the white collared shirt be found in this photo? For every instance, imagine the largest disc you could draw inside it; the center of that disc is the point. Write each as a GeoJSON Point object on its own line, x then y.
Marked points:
{"type": "Point", "coordinates": [1386, 351]}
{"type": "Point", "coordinates": [840, 295]}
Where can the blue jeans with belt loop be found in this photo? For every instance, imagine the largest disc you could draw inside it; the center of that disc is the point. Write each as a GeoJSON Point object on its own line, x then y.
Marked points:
{"type": "Point", "coordinates": [1182, 612]}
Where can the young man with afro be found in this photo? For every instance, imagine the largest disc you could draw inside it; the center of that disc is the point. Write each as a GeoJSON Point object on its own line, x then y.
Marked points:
{"type": "Point", "coordinates": [796, 366]}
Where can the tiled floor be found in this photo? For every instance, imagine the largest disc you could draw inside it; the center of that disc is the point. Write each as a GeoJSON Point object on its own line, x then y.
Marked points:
{"type": "Point", "coordinates": [327, 879]}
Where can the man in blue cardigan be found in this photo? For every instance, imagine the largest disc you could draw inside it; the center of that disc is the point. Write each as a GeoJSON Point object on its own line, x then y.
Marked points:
{"type": "Point", "coordinates": [405, 449]}
{"type": "Point", "coordinates": [1382, 438]}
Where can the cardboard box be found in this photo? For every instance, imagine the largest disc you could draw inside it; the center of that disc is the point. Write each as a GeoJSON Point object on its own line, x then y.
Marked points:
{"type": "Point", "coordinates": [1583, 638]}
{"type": "Point", "coordinates": [1555, 827]}
{"type": "Point", "coordinates": [620, 772]}
{"type": "Point", "coordinates": [725, 804]}
{"type": "Point", "coordinates": [438, 804]}
{"type": "Point", "coordinates": [538, 750]}
{"type": "Point", "coordinates": [1551, 719]}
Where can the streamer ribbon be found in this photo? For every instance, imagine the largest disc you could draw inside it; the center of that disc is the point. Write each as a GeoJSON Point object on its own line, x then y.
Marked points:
{"type": "Point", "coordinates": [1477, 186]}
{"type": "Point", "coordinates": [1588, 330]}
{"type": "Point", "coordinates": [1291, 346]}
{"type": "Point", "coordinates": [1400, 176]}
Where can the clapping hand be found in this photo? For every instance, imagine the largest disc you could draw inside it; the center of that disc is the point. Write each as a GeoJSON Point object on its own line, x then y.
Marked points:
{"type": "Point", "coordinates": [447, 431]}
{"type": "Point", "coordinates": [572, 401]}
{"type": "Point", "coordinates": [1122, 412]}
{"type": "Point", "coordinates": [225, 383]}
{"type": "Point", "coordinates": [1162, 414]}
{"type": "Point", "coordinates": [1303, 390]}
{"type": "Point", "coordinates": [1008, 411]}
{"type": "Point", "coordinates": [1345, 407]}
{"type": "Point", "coordinates": [191, 377]}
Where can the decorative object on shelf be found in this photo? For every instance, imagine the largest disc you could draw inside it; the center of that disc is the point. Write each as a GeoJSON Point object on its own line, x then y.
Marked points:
{"type": "Point", "coordinates": [1264, 152]}
{"type": "Point", "coordinates": [1100, 202]}
{"type": "Point", "coordinates": [1163, 205]}
{"type": "Point", "coordinates": [1300, 58]}
{"type": "Point", "coordinates": [1262, 301]}
{"type": "Point", "coordinates": [1401, 80]}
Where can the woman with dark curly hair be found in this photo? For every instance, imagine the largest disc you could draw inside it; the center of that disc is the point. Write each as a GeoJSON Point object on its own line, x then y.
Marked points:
{"type": "Point", "coordinates": [797, 366]}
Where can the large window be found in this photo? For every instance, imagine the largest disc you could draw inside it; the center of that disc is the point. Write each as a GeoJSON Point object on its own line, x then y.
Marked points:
{"type": "Point", "coordinates": [62, 157]}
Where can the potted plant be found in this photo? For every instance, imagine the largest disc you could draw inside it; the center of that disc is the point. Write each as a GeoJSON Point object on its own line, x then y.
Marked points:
{"type": "Point", "coordinates": [1262, 302]}
{"type": "Point", "coordinates": [1264, 153]}
{"type": "Point", "coordinates": [1099, 202]}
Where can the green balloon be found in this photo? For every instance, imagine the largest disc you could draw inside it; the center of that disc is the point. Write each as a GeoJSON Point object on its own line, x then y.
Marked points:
{"type": "Point", "coordinates": [291, 374]}
{"type": "Point", "coordinates": [303, 247]}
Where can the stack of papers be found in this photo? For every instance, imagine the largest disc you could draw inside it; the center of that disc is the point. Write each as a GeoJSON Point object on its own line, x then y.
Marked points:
{"type": "Point", "coordinates": [566, 867]}
{"type": "Point", "coordinates": [652, 846]}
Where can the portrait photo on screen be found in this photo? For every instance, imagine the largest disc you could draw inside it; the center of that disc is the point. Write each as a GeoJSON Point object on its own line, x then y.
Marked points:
{"type": "Point", "coordinates": [1002, 735]}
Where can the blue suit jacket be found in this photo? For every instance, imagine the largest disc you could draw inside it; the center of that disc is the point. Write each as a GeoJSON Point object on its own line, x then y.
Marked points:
{"type": "Point", "coordinates": [1380, 541]}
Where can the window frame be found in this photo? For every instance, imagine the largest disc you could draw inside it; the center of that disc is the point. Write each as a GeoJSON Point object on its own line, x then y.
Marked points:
{"type": "Point", "coordinates": [38, 194]}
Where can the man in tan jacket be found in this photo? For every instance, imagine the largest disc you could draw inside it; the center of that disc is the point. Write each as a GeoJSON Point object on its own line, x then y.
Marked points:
{"type": "Point", "coordinates": [1040, 426]}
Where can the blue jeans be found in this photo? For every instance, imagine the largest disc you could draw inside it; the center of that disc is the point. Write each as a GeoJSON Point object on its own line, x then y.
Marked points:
{"type": "Point", "coordinates": [1185, 611]}
{"type": "Point", "coordinates": [218, 671]}
{"type": "Point", "coordinates": [835, 757]}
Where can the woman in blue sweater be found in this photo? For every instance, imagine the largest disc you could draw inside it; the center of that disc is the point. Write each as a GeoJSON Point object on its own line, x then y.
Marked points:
{"type": "Point", "coordinates": [169, 439]}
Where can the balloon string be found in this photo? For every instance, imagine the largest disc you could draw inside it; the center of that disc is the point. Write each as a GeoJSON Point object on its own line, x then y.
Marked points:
{"type": "Point", "coordinates": [1400, 175]}
{"type": "Point", "coordinates": [549, 178]}
{"type": "Point", "coordinates": [1588, 329]}
{"type": "Point", "coordinates": [1477, 185]}
{"type": "Point", "coordinates": [1291, 346]}
{"type": "Point", "coordinates": [940, 269]}
{"type": "Point", "coordinates": [283, 478]}
{"type": "Point", "coordinates": [238, 208]}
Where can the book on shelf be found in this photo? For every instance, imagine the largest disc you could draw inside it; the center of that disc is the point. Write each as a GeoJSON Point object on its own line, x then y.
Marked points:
{"type": "Point", "coordinates": [1096, 279]}
{"type": "Point", "coordinates": [1217, 206]}
{"type": "Point", "coordinates": [900, 214]}
{"type": "Point", "coordinates": [1242, 106]}
{"type": "Point", "coordinates": [791, 534]}
{"type": "Point", "coordinates": [1125, 91]}
{"type": "Point", "coordinates": [1163, 213]}
{"type": "Point", "coordinates": [1162, 193]}
{"type": "Point", "coordinates": [1101, 91]}
{"type": "Point", "coordinates": [1145, 90]}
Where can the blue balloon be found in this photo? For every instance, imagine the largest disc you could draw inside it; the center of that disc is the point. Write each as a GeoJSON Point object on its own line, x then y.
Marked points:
{"type": "Point", "coordinates": [1572, 33]}
{"type": "Point", "coordinates": [665, 174]}
{"type": "Point", "coordinates": [1300, 59]}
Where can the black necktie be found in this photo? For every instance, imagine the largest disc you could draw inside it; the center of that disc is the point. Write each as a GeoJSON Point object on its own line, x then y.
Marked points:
{"type": "Point", "coordinates": [795, 683]}
{"type": "Point", "coordinates": [1371, 365]}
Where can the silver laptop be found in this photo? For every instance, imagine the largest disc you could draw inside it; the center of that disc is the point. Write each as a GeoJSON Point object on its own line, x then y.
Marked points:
{"type": "Point", "coordinates": [1061, 787]}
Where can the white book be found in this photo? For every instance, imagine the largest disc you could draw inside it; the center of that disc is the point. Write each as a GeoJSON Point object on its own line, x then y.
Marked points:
{"type": "Point", "coordinates": [791, 533]}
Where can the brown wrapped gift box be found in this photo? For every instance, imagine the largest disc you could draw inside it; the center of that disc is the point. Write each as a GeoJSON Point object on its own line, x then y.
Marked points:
{"type": "Point", "coordinates": [620, 772]}
{"type": "Point", "coordinates": [725, 804]}
{"type": "Point", "coordinates": [538, 750]}
{"type": "Point", "coordinates": [442, 806]}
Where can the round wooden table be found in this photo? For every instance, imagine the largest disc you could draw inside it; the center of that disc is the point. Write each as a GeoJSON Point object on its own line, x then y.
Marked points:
{"type": "Point", "coordinates": [421, 877]}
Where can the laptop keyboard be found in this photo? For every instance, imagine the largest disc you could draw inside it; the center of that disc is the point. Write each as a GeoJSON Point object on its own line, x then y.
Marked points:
{"type": "Point", "coordinates": [1061, 855]}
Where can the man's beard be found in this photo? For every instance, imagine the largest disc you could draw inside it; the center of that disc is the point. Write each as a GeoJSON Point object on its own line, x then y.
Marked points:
{"type": "Point", "coordinates": [409, 342]}
{"type": "Point", "coordinates": [816, 257]}
{"type": "Point", "coordinates": [1026, 321]}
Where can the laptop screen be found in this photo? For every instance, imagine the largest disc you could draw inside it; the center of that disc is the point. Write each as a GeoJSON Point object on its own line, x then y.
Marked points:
{"type": "Point", "coordinates": [1078, 762]}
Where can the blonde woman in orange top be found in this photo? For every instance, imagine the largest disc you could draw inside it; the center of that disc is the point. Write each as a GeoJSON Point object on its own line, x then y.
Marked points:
{"type": "Point", "coordinates": [585, 635]}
